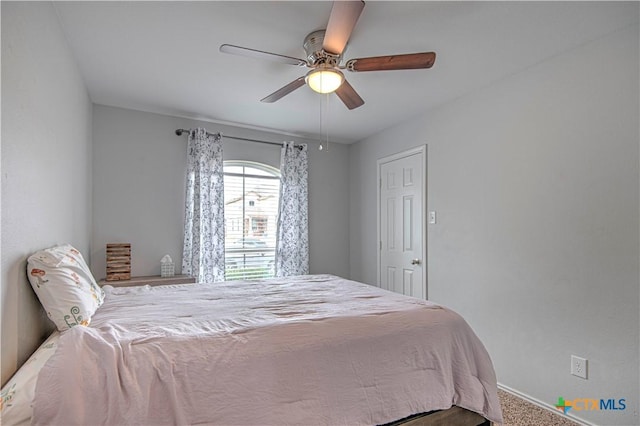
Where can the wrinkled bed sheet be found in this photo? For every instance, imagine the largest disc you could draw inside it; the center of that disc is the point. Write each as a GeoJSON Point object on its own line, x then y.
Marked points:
{"type": "Point", "coordinates": [314, 349]}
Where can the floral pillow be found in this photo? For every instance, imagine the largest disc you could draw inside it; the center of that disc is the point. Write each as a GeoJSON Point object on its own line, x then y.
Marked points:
{"type": "Point", "coordinates": [65, 286]}
{"type": "Point", "coordinates": [16, 397]}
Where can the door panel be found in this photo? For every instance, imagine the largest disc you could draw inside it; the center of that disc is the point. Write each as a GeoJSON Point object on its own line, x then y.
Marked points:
{"type": "Point", "coordinates": [407, 223]}
{"type": "Point", "coordinates": [391, 223]}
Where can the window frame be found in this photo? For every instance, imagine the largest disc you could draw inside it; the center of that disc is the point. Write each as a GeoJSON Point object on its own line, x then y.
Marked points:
{"type": "Point", "coordinates": [265, 172]}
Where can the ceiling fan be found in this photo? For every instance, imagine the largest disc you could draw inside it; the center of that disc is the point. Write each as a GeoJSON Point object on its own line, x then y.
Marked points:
{"type": "Point", "coordinates": [324, 50]}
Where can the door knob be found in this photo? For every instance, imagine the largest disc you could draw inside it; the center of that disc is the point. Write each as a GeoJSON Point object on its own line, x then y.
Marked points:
{"type": "Point", "coordinates": [415, 262]}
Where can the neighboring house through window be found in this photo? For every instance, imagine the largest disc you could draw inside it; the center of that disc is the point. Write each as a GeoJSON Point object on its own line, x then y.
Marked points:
{"type": "Point", "coordinates": [251, 192]}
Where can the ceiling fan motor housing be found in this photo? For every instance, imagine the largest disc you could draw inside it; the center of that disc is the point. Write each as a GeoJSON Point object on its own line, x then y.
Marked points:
{"type": "Point", "coordinates": [315, 53]}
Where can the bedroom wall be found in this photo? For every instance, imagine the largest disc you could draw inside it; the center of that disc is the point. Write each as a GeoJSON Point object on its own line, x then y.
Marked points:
{"type": "Point", "coordinates": [535, 181]}
{"type": "Point", "coordinates": [139, 183]}
{"type": "Point", "coordinates": [46, 164]}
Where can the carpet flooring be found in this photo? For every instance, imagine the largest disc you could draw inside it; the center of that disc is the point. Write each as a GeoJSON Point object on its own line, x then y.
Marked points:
{"type": "Point", "coordinates": [518, 412]}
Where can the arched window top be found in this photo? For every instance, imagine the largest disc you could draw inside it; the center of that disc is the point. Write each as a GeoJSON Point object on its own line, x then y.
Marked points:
{"type": "Point", "coordinates": [250, 168]}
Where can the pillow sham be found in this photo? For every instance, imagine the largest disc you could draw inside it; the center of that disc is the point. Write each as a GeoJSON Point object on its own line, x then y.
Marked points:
{"type": "Point", "coordinates": [16, 397]}
{"type": "Point", "coordinates": [64, 285]}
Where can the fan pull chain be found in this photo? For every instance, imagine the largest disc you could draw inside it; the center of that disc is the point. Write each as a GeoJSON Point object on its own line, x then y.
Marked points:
{"type": "Point", "coordinates": [326, 119]}
{"type": "Point", "coordinates": [325, 104]}
{"type": "Point", "coordinates": [320, 125]}
{"type": "Point", "coordinates": [321, 147]}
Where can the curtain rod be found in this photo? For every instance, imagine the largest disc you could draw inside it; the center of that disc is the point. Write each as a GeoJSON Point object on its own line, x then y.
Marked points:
{"type": "Point", "coordinates": [179, 132]}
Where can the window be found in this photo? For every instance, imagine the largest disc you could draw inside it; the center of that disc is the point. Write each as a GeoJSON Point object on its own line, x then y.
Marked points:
{"type": "Point", "coordinates": [251, 192]}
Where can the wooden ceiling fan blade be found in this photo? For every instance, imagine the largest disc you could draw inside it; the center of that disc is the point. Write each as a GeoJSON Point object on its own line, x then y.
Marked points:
{"type": "Point", "coordinates": [393, 62]}
{"type": "Point", "coordinates": [284, 91]}
{"type": "Point", "coordinates": [343, 18]}
{"type": "Point", "coordinates": [349, 96]}
{"type": "Point", "coordinates": [259, 54]}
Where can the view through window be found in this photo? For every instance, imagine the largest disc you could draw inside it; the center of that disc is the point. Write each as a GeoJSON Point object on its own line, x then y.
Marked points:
{"type": "Point", "coordinates": [251, 193]}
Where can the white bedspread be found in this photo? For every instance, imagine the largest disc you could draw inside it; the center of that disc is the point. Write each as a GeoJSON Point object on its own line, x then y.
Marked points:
{"type": "Point", "coordinates": [302, 350]}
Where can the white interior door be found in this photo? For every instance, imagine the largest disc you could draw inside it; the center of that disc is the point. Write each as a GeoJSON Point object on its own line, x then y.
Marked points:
{"type": "Point", "coordinates": [402, 226]}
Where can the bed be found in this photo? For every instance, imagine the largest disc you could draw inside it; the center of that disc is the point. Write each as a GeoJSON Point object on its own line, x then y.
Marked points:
{"type": "Point", "coordinates": [314, 349]}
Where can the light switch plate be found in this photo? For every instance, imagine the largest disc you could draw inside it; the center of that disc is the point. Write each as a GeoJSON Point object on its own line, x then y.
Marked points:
{"type": "Point", "coordinates": [432, 217]}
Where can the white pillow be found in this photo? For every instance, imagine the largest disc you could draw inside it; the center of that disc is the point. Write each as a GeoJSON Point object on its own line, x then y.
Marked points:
{"type": "Point", "coordinates": [65, 286]}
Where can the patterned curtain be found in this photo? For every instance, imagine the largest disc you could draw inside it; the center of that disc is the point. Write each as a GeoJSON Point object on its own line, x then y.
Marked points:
{"type": "Point", "coordinates": [292, 243]}
{"type": "Point", "coordinates": [203, 252]}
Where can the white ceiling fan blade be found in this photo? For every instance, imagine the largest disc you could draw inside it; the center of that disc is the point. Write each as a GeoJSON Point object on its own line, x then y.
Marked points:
{"type": "Point", "coordinates": [283, 91]}
{"type": "Point", "coordinates": [343, 18]}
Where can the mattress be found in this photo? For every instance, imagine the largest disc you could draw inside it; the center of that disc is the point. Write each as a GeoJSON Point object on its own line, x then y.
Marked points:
{"type": "Point", "coordinates": [313, 349]}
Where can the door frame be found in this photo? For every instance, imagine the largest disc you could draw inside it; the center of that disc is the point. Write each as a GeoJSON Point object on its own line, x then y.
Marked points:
{"type": "Point", "coordinates": [422, 150]}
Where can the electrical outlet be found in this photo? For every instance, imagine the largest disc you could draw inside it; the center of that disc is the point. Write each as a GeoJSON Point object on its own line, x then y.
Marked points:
{"type": "Point", "coordinates": [579, 366]}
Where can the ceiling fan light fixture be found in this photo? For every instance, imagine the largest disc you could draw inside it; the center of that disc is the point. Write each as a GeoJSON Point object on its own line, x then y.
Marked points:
{"type": "Point", "coordinates": [324, 80]}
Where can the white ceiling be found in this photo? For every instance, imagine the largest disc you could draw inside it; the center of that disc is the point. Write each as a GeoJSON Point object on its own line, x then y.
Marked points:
{"type": "Point", "coordinates": [163, 56]}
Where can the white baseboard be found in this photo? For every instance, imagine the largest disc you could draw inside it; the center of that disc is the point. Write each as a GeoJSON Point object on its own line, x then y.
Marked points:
{"type": "Point", "coordinates": [544, 405]}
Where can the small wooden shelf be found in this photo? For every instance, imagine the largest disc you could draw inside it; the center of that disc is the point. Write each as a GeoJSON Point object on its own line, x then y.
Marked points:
{"type": "Point", "coordinates": [151, 280]}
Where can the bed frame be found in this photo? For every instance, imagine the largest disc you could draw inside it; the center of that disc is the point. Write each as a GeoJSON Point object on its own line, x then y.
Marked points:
{"type": "Point", "coordinates": [454, 416]}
